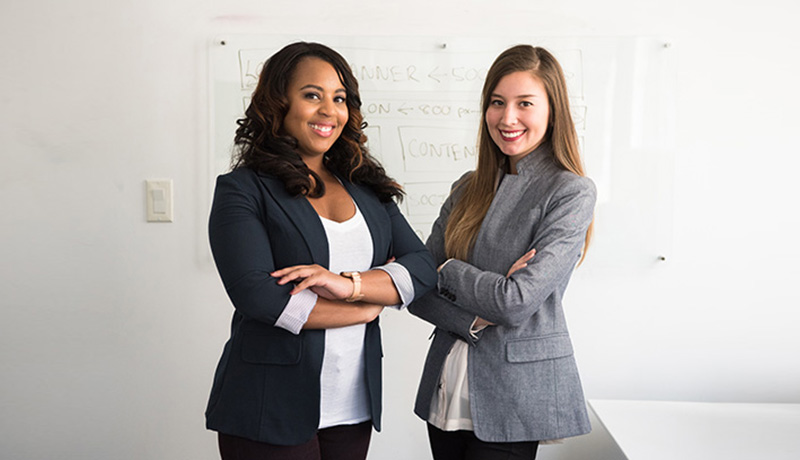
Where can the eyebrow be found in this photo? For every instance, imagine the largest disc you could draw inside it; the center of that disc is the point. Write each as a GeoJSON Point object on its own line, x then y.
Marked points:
{"type": "Point", "coordinates": [319, 88]}
{"type": "Point", "coordinates": [518, 96]}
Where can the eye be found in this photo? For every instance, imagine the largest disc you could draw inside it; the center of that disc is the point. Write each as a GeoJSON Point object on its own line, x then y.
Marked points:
{"type": "Point", "coordinates": [526, 104]}
{"type": "Point", "coordinates": [339, 99]}
{"type": "Point", "coordinates": [496, 102]}
{"type": "Point", "coordinates": [311, 95]}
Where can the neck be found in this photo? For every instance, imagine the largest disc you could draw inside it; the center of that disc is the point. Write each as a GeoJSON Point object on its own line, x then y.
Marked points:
{"type": "Point", "coordinates": [315, 164]}
{"type": "Point", "coordinates": [512, 165]}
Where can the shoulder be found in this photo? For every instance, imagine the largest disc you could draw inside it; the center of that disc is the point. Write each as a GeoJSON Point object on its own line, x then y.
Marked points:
{"type": "Point", "coordinates": [244, 185]}
{"type": "Point", "coordinates": [569, 182]}
{"type": "Point", "coordinates": [457, 188]}
{"type": "Point", "coordinates": [465, 178]}
{"type": "Point", "coordinates": [571, 191]}
{"type": "Point", "coordinates": [248, 179]}
{"type": "Point", "coordinates": [241, 176]}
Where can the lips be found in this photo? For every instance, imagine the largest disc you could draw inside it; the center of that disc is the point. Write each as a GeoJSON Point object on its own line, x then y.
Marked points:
{"type": "Point", "coordinates": [511, 135]}
{"type": "Point", "coordinates": [324, 130]}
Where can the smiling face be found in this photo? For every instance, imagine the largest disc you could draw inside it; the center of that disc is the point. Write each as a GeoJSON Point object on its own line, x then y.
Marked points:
{"type": "Point", "coordinates": [518, 115]}
{"type": "Point", "coordinates": [317, 107]}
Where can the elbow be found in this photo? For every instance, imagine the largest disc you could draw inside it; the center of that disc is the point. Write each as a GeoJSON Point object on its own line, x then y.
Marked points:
{"type": "Point", "coordinates": [513, 308]}
{"type": "Point", "coordinates": [430, 278]}
{"type": "Point", "coordinates": [423, 272]}
{"type": "Point", "coordinates": [512, 319]}
{"type": "Point", "coordinates": [427, 271]}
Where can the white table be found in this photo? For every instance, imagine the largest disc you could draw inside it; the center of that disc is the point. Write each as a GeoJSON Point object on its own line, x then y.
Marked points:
{"type": "Point", "coordinates": [664, 430]}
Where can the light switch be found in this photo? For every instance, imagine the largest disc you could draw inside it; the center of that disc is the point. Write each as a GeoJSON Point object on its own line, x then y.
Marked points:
{"type": "Point", "coordinates": [159, 200]}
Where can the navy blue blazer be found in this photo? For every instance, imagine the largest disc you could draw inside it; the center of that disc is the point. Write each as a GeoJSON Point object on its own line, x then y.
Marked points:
{"type": "Point", "coordinates": [267, 383]}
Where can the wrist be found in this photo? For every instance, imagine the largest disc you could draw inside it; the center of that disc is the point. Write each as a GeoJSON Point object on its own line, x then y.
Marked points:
{"type": "Point", "coordinates": [356, 278]}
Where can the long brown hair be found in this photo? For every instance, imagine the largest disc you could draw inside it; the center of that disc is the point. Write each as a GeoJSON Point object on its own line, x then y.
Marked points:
{"type": "Point", "coordinates": [263, 145]}
{"type": "Point", "coordinates": [478, 190]}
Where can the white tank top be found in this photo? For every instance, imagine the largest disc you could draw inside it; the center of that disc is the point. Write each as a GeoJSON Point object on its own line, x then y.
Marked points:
{"type": "Point", "coordinates": [344, 398]}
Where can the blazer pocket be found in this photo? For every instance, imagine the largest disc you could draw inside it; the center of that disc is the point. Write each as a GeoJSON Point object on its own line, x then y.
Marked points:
{"type": "Point", "coordinates": [275, 347]}
{"type": "Point", "coordinates": [538, 348]}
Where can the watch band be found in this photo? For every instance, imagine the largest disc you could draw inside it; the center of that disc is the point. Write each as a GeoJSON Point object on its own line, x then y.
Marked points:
{"type": "Point", "coordinates": [356, 277]}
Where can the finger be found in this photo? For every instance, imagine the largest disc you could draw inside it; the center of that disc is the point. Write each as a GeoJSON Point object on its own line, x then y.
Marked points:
{"type": "Point", "coordinates": [295, 275]}
{"type": "Point", "coordinates": [305, 284]}
{"type": "Point", "coordinates": [515, 267]}
{"type": "Point", "coordinates": [315, 278]}
{"type": "Point", "coordinates": [283, 271]}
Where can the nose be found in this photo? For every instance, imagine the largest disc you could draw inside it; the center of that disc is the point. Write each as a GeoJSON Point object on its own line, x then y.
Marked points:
{"type": "Point", "coordinates": [509, 115]}
{"type": "Point", "coordinates": [327, 106]}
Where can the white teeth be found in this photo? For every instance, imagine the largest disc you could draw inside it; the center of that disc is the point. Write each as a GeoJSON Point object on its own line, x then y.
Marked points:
{"type": "Point", "coordinates": [511, 134]}
{"type": "Point", "coordinates": [324, 129]}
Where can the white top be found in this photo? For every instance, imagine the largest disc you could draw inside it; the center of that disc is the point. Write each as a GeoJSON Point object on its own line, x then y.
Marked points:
{"type": "Point", "coordinates": [450, 404]}
{"type": "Point", "coordinates": [344, 399]}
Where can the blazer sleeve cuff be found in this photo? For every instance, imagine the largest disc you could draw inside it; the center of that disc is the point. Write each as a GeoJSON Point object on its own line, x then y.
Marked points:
{"type": "Point", "coordinates": [449, 272]}
{"type": "Point", "coordinates": [295, 315]}
{"type": "Point", "coordinates": [402, 282]}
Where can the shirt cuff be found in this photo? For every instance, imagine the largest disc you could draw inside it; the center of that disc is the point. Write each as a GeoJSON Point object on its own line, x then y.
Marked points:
{"type": "Point", "coordinates": [296, 312]}
{"type": "Point", "coordinates": [473, 330]}
{"type": "Point", "coordinates": [402, 282]}
{"type": "Point", "coordinates": [443, 264]}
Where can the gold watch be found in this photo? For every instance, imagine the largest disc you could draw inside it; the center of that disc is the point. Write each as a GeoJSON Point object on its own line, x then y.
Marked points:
{"type": "Point", "coordinates": [356, 277]}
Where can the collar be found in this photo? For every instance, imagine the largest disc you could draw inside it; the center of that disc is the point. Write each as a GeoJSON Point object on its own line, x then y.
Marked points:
{"type": "Point", "coordinates": [534, 160]}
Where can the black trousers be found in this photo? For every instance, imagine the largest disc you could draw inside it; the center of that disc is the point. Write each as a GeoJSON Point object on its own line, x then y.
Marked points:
{"type": "Point", "coordinates": [344, 442]}
{"type": "Point", "coordinates": [463, 445]}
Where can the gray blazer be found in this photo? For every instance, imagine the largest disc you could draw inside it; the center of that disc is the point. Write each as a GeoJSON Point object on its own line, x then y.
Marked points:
{"type": "Point", "coordinates": [523, 381]}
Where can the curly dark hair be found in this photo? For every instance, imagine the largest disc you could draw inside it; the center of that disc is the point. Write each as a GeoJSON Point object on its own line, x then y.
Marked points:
{"type": "Point", "coordinates": [263, 145]}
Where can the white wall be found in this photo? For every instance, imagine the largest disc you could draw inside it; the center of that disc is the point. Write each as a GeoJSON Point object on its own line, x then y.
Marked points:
{"type": "Point", "coordinates": [111, 327]}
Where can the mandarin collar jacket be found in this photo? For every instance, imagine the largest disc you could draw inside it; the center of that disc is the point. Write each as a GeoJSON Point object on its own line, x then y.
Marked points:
{"type": "Point", "coordinates": [523, 379]}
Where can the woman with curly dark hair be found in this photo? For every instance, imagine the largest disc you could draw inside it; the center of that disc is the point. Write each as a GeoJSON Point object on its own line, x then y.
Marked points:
{"type": "Point", "coordinates": [310, 246]}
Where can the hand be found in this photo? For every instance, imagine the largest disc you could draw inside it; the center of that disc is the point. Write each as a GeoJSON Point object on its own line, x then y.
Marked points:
{"type": "Point", "coordinates": [482, 322]}
{"type": "Point", "coordinates": [320, 280]}
{"type": "Point", "coordinates": [522, 262]}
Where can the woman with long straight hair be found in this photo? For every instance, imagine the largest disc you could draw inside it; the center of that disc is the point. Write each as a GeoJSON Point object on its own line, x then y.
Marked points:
{"type": "Point", "coordinates": [500, 375]}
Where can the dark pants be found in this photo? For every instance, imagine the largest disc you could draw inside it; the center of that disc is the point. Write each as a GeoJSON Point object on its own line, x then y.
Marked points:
{"type": "Point", "coordinates": [463, 445]}
{"type": "Point", "coordinates": [344, 442]}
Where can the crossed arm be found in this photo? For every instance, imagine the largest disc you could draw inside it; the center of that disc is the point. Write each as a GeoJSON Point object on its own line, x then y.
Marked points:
{"type": "Point", "coordinates": [244, 257]}
{"type": "Point", "coordinates": [331, 309]}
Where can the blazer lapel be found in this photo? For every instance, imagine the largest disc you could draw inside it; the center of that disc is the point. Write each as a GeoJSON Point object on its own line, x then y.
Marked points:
{"type": "Point", "coordinates": [303, 216]}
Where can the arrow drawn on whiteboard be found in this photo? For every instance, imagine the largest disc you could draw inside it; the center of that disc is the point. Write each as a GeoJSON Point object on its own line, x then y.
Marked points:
{"type": "Point", "coordinates": [404, 110]}
{"type": "Point", "coordinates": [432, 75]}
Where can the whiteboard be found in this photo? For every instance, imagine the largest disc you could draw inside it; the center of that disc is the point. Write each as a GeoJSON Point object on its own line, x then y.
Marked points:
{"type": "Point", "coordinates": [421, 100]}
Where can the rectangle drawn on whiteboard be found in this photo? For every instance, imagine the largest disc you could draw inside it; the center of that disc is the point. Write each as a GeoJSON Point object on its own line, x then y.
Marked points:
{"type": "Point", "coordinates": [425, 198]}
{"type": "Point", "coordinates": [427, 148]}
{"type": "Point", "coordinates": [571, 61]}
{"type": "Point", "coordinates": [579, 116]}
{"type": "Point", "coordinates": [374, 145]}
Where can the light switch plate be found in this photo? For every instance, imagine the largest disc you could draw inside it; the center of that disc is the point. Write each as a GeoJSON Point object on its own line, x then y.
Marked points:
{"type": "Point", "coordinates": [159, 200]}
